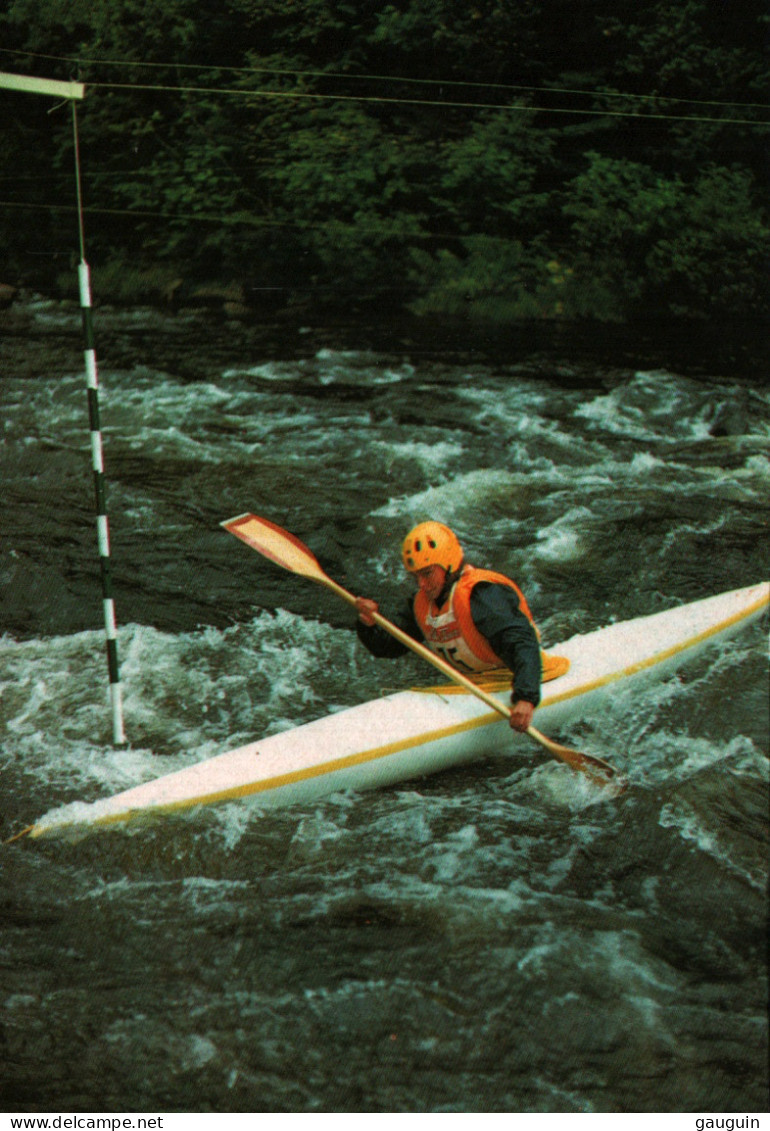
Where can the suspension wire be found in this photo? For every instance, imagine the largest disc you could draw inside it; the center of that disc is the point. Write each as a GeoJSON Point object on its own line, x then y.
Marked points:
{"type": "Point", "coordinates": [97, 459]}
{"type": "Point", "coordinates": [403, 79]}
{"type": "Point", "coordinates": [240, 220]}
{"type": "Point", "coordinates": [523, 108]}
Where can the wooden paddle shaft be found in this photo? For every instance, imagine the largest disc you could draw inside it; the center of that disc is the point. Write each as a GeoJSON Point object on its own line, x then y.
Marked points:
{"type": "Point", "coordinates": [426, 654]}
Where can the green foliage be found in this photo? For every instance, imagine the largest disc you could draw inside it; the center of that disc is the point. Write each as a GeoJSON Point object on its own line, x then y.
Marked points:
{"type": "Point", "coordinates": [694, 47]}
{"type": "Point", "coordinates": [467, 40]}
{"type": "Point", "coordinates": [471, 156]}
{"type": "Point", "coordinates": [487, 179]}
{"type": "Point", "coordinates": [658, 244]}
{"type": "Point", "coordinates": [492, 280]}
{"type": "Point", "coordinates": [717, 259]}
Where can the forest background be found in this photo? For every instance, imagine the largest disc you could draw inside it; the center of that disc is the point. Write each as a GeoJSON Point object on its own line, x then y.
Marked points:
{"type": "Point", "coordinates": [555, 159]}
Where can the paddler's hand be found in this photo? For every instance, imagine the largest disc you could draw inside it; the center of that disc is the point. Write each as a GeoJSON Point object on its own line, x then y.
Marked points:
{"type": "Point", "coordinates": [521, 714]}
{"type": "Point", "coordinates": [366, 610]}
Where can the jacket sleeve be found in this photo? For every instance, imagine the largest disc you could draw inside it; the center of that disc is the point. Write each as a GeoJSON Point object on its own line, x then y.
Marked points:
{"type": "Point", "coordinates": [497, 615]}
{"type": "Point", "coordinates": [380, 643]}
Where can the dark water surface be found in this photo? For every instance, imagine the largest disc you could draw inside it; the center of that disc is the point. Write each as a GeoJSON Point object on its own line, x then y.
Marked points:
{"type": "Point", "coordinates": [491, 939]}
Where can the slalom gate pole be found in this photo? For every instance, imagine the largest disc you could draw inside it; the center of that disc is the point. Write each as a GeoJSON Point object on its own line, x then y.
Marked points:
{"type": "Point", "coordinates": [97, 464]}
{"type": "Point", "coordinates": [73, 92]}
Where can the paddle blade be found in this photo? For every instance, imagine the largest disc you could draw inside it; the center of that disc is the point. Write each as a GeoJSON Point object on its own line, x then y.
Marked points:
{"type": "Point", "coordinates": [275, 543]}
{"type": "Point", "coordinates": [600, 772]}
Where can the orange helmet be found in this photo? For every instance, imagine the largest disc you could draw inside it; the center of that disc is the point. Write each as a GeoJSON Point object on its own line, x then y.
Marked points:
{"type": "Point", "coordinates": [432, 543]}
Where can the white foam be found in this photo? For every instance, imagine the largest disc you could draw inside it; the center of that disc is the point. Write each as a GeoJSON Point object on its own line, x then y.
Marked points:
{"type": "Point", "coordinates": [430, 458]}
{"type": "Point", "coordinates": [186, 696]}
{"type": "Point", "coordinates": [694, 828]}
{"type": "Point", "coordinates": [449, 501]}
{"type": "Point", "coordinates": [568, 538]}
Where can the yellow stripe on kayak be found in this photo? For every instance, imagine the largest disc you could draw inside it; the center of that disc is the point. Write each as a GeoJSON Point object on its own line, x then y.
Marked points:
{"type": "Point", "coordinates": [280, 780]}
{"type": "Point", "coordinates": [660, 657]}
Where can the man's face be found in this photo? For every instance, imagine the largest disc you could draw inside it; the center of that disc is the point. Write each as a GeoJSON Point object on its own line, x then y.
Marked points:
{"type": "Point", "coordinates": [430, 580]}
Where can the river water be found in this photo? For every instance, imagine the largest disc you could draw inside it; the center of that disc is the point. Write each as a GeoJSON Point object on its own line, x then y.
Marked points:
{"type": "Point", "coordinates": [491, 939]}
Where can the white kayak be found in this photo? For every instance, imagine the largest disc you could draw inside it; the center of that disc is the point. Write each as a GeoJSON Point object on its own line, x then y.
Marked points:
{"type": "Point", "coordinates": [413, 733]}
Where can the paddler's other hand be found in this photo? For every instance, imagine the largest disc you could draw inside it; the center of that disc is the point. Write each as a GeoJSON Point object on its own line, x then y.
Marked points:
{"type": "Point", "coordinates": [366, 610]}
{"type": "Point", "coordinates": [521, 714]}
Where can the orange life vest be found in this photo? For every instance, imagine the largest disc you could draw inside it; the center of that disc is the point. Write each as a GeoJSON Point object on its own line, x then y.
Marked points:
{"type": "Point", "coordinates": [450, 632]}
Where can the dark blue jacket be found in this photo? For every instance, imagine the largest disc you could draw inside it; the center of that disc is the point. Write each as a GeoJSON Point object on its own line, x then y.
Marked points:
{"type": "Point", "coordinates": [498, 617]}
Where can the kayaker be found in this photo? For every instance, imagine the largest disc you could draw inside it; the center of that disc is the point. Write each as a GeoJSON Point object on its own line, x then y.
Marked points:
{"type": "Point", "coordinates": [475, 619]}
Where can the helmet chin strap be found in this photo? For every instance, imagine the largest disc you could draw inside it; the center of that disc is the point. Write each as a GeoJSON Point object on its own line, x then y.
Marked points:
{"type": "Point", "coordinates": [449, 580]}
